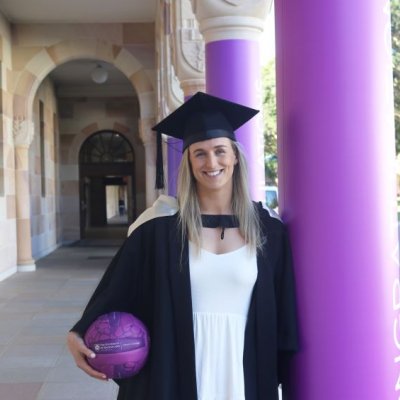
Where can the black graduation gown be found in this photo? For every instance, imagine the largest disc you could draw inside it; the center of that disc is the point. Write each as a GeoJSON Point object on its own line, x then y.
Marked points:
{"type": "Point", "coordinates": [149, 277]}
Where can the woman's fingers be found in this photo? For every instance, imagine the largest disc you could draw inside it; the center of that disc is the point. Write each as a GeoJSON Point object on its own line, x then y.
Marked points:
{"type": "Point", "coordinates": [80, 353]}
{"type": "Point", "coordinates": [84, 366]}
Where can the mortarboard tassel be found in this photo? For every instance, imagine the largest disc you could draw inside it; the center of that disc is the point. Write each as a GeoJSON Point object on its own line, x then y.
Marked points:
{"type": "Point", "coordinates": [159, 164]}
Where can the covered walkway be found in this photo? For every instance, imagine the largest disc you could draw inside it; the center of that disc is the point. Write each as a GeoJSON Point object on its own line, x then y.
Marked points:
{"type": "Point", "coordinates": [36, 311]}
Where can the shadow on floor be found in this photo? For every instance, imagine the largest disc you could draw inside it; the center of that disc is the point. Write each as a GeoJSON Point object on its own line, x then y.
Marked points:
{"type": "Point", "coordinates": [36, 311]}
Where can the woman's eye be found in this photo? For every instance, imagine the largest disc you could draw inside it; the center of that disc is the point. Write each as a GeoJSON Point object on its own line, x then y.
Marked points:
{"type": "Point", "coordinates": [218, 152]}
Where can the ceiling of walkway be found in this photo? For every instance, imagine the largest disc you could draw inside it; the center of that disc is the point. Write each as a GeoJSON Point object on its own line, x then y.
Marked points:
{"type": "Point", "coordinates": [70, 76]}
{"type": "Point", "coordinates": [78, 11]}
{"type": "Point", "coordinates": [72, 79]}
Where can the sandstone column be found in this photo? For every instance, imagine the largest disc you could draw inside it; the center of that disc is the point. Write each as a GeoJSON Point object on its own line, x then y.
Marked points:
{"type": "Point", "coordinates": [23, 135]}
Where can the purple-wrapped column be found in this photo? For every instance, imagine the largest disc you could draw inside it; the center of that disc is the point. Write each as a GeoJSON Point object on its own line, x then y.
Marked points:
{"type": "Point", "coordinates": [233, 72]}
{"type": "Point", "coordinates": [174, 160]}
{"type": "Point", "coordinates": [337, 195]}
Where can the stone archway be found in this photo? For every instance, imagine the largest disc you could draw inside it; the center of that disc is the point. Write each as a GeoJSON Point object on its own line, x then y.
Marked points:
{"type": "Point", "coordinates": [49, 58]}
{"type": "Point", "coordinates": [27, 83]}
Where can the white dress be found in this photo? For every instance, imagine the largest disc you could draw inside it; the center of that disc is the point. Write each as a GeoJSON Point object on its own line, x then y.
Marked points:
{"type": "Point", "coordinates": [221, 286]}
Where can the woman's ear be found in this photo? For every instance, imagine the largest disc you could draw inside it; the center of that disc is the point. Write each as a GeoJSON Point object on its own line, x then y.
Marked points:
{"type": "Point", "coordinates": [188, 158]}
{"type": "Point", "coordinates": [189, 163]}
{"type": "Point", "coordinates": [236, 151]}
{"type": "Point", "coordinates": [236, 156]}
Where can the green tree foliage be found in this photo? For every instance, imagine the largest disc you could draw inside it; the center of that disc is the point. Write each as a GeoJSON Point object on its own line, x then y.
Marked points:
{"type": "Point", "coordinates": [269, 114]}
{"type": "Point", "coordinates": [395, 13]}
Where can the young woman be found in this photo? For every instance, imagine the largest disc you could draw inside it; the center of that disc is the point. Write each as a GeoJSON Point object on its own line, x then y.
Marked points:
{"type": "Point", "coordinates": [213, 281]}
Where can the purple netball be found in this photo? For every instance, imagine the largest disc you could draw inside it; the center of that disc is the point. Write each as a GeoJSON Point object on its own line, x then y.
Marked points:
{"type": "Point", "coordinates": [121, 343]}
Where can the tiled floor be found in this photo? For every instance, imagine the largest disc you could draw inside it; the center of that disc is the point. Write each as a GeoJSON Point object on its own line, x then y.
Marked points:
{"type": "Point", "coordinates": [36, 311]}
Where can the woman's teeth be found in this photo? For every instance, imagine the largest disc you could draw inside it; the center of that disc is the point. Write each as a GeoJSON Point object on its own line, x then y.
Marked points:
{"type": "Point", "coordinates": [214, 173]}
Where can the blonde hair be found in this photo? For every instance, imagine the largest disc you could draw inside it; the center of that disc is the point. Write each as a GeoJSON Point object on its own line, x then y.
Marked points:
{"type": "Point", "coordinates": [242, 205]}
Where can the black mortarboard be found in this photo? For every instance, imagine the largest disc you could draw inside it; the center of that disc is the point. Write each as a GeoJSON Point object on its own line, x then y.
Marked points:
{"type": "Point", "coordinates": [200, 118]}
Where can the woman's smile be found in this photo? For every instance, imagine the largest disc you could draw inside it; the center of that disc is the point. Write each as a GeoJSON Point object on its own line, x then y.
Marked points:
{"type": "Point", "coordinates": [214, 173]}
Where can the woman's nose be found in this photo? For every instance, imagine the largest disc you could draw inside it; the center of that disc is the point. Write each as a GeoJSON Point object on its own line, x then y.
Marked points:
{"type": "Point", "coordinates": [211, 160]}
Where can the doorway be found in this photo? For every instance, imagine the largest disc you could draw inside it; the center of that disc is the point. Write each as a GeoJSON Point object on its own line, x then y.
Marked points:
{"type": "Point", "coordinates": [107, 186]}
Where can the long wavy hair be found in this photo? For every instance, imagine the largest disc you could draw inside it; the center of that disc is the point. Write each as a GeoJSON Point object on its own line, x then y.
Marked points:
{"type": "Point", "coordinates": [242, 205]}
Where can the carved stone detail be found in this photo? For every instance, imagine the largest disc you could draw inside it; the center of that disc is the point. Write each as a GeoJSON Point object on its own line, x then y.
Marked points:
{"type": "Point", "coordinates": [231, 19]}
{"type": "Point", "coordinates": [188, 52]}
{"type": "Point", "coordinates": [192, 44]}
{"type": "Point", "coordinates": [23, 131]}
{"type": "Point", "coordinates": [169, 94]}
{"type": "Point", "coordinates": [222, 8]}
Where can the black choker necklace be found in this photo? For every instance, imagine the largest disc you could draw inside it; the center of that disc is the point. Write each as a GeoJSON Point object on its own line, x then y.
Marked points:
{"type": "Point", "coordinates": [219, 221]}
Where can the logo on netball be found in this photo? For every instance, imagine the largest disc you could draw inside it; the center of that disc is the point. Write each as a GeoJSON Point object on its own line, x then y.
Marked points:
{"type": "Point", "coordinates": [97, 347]}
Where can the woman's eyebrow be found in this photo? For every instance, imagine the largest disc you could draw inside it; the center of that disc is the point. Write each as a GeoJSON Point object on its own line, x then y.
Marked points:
{"type": "Point", "coordinates": [218, 146]}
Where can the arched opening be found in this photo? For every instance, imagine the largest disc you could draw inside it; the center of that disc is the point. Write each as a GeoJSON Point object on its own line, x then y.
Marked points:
{"type": "Point", "coordinates": [83, 107]}
{"type": "Point", "coordinates": [107, 184]}
{"type": "Point", "coordinates": [86, 108]}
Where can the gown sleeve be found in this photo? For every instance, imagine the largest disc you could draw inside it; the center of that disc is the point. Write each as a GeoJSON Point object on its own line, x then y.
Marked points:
{"type": "Point", "coordinates": [286, 304]}
{"type": "Point", "coordinates": [122, 286]}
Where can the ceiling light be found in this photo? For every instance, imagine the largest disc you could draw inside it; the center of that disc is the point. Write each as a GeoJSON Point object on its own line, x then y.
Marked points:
{"type": "Point", "coordinates": [99, 74]}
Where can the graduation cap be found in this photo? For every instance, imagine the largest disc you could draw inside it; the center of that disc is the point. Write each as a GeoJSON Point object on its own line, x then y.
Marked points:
{"type": "Point", "coordinates": [200, 118]}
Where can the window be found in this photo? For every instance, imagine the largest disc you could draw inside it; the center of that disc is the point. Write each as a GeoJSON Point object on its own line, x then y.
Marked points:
{"type": "Point", "coordinates": [106, 147]}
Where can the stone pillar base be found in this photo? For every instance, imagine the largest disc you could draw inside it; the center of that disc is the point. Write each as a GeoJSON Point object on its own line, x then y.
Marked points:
{"type": "Point", "coordinates": [27, 267]}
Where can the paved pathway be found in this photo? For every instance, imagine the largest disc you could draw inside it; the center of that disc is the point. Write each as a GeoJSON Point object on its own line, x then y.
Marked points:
{"type": "Point", "coordinates": [36, 311]}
